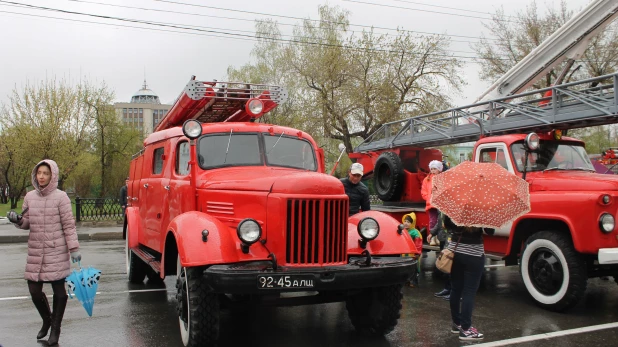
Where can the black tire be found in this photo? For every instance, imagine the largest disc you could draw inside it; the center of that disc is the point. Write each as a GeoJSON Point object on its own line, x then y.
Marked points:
{"type": "Point", "coordinates": [388, 176]}
{"type": "Point", "coordinates": [198, 310]}
{"type": "Point", "coordinates": [136, 268]}
{"type": "Point", "coordinates": [153, 277]}
{"type": "Point", "coordinates": [553, 272]}
{"type": "Point", "coordinates": [375, 311]}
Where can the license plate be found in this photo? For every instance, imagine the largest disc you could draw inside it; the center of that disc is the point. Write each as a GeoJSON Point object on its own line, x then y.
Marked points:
{"type": "Point", "coordinates": [284, 281]}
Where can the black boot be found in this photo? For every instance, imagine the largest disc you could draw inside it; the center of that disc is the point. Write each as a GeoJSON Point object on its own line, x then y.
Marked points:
{"type": "Point", "coordinates": [42, 305]}
{"type": "Point", "coordinates": [60, 303]}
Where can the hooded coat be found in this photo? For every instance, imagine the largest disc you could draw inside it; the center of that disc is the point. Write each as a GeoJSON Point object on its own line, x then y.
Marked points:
{"type": "Point", "coordinates": [52, 229]}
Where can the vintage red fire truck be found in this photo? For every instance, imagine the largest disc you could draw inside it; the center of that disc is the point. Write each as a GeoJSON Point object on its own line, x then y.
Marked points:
{"type": "Point", "coordinates": [243, 212]}
{"type": "Point", "coordinates": [569, 235]}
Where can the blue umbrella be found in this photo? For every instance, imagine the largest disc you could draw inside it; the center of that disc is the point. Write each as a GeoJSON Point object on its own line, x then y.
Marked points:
{"type": "Point", "coordinates": [83, 284]}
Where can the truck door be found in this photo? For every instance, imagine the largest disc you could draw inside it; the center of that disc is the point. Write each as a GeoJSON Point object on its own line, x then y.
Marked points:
{"type": "Point", "coordinates": [496, 153]}
{"type": "Point", "coordinates": [181, 195]}
{"type": "Point", "coordinates": [152, 185]}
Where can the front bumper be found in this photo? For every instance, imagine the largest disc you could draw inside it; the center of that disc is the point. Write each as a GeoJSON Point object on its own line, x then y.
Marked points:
{"type": "Point", "coordinates": [607, 256]}
{"type": "Point", "coordinates": [243, 278]}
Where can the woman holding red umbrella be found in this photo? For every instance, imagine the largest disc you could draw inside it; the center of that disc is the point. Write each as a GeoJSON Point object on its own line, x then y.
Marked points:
{"type": "Point", "coordinates": [473, 196]}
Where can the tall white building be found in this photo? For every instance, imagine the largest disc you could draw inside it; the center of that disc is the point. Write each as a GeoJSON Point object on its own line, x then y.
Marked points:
{"type": "Point", "coordinates": [144, 111]}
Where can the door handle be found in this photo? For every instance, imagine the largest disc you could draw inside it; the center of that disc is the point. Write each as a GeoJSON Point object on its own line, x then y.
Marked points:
{"type": "Point", "coordinates": [134, 199]}
{"type": "Point", "coordinates": [146, 185]}
{"type": "Point", "coordinates": [167, 187]}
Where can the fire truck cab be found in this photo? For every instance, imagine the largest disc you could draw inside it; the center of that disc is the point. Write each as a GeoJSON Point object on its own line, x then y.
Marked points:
{"type": "Point", "coordinates": [242, 212]}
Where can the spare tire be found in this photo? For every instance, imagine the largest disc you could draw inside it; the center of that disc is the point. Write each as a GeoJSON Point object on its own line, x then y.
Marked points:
{"type": "Point", "coordinates": [388, 176]}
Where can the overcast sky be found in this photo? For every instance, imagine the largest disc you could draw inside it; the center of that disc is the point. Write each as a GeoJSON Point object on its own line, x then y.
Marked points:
{"type": "Point", "coordinates": [39, 44]}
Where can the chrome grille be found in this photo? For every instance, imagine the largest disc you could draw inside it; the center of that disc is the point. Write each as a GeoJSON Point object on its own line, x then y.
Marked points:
{"type": "Point", "coordinates": [316, 231]}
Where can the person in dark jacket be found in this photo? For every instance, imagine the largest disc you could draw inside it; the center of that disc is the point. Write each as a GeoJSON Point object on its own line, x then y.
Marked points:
{"type": "Point", "coordinates": [356, 190]}
{"type": "Point", "coordinates": [52, 242]}
{"type": "Point", "coordinates": [123, 196]}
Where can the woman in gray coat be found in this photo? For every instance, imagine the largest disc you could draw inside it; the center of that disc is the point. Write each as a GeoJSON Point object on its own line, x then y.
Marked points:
{"type": "Point", "coordinates": [52, 242]}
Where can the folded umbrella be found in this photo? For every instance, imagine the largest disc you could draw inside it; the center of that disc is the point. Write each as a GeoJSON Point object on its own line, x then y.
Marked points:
{"type": "Point", "coordinates": [480, 195]}
{"type": "Point", "coordinates": [83, 284]}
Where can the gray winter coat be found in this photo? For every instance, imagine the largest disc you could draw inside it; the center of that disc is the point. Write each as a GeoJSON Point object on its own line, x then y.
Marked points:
{"type": "Point", "coordinates": [52, 229]}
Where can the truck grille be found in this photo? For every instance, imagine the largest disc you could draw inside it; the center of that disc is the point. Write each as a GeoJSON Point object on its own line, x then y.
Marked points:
{"type": "Point", "coordinates": [316, 231]}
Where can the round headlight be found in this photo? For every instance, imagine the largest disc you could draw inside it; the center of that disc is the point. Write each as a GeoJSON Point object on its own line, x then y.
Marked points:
{"type": "Point", "coordinates": [192, 129]}
{"type": "Point", "coordinates": [607, 223]}
{"type": "Point", "coordinates": [368, 228]}
{"type": "Point", "coordinates": [249, 231]}
{"type": "Point", "coordinates": [254, 106]}
{"type": "Point", "coordinates": [532, 142]}
{"type": "Point", "coordinates": [606, 199]}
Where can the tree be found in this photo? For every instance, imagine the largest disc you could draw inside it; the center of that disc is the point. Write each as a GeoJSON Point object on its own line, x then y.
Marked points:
{"type": "Point", "coordinates": [113, 141]}
{"type": "Point", "coordinates": [514, 37]}
{"type": "Point", "coordinates": [49, 118]}
{"type": "Point", "coordinates": [345, 85]}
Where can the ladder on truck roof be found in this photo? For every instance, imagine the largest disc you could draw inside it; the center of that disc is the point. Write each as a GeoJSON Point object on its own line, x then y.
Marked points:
{"type": "Point", "coordinates": [571, 105]}
{"type": "Point", "coordinates": [215, 102]}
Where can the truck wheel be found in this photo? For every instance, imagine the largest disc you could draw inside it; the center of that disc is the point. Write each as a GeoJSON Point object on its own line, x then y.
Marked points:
{"type": "Point", "coordinates": [375, 311]}
{"type": "Point", "coordinates": [388, 176]}
{"type": "Point", "coordinates": [198, 310]}
{"type": "Point", "coordinates": [553, 272]}
{"type": "Point", "coordinates": [136, 268]}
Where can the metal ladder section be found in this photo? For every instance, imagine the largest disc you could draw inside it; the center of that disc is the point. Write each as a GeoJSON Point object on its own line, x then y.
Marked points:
{"type": "Point", "coordinates": [572, 105]}
{"type": "Point", "coordinates": [229, 97]}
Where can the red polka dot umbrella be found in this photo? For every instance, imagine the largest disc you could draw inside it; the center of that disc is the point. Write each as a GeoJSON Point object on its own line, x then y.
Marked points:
{"type": "Point", "coordinates": [480, 194]}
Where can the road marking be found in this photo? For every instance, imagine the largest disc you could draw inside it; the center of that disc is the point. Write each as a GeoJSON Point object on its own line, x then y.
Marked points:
{"type": "Point", "coordinates": [548, 335]}
{"type": "Point", "coordinates": [101, 293]}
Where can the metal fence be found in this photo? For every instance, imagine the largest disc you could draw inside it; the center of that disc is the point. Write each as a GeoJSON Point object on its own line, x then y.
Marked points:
{"type": "Point", "coordinates": [375, 200]}
{"type": "Point", "coordinates": [97, 209]}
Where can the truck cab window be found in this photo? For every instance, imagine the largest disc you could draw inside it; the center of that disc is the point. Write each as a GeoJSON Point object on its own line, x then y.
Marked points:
{"type": "Point", "coordinates": [287, 151]}
{"type": "Point", "coordinates": [182, 158]}
{"type": "Point", "coordinates": [228, 149]}
{"type": "Point", "coordinates": [157, 161]}
{"type": "Point", "coordinates": [494, 155]}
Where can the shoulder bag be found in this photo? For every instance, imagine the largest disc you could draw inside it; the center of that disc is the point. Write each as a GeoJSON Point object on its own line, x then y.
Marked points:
{"type": "Point", "coordinates": [444, 261]}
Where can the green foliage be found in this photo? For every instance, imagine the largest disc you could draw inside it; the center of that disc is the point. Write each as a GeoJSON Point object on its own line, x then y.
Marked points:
{"type": "Point", "coordinates": [74, 125]}
{"type": "Point", "coordinates": [344, 85]}
{"type": "Point", "coordinates": [598, 139]}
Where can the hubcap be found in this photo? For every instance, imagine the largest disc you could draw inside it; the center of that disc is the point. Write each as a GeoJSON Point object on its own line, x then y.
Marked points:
{"type": "Point", "coordinates": [545, 271]}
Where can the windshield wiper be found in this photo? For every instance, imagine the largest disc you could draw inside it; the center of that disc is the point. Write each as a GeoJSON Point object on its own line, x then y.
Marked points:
{"type": "Point", "coordinates": [555, 168]}
{"type": "Point", "coordinates": [228, 145]}
{"type": "Point", "coordinates": [271, 148]}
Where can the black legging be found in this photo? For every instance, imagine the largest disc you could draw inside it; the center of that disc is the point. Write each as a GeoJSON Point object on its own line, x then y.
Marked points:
{"type": "Point", "coordinates": [36, 289]}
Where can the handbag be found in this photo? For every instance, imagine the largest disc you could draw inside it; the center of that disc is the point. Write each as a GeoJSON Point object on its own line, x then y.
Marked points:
{"type": "Point", "coordinates": [444, 260]}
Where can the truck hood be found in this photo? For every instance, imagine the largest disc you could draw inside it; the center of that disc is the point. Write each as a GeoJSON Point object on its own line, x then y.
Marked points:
{"type": "Point", "coordinates": [269, 179]}
{"type": "Point", "coordinates": [572, 181]}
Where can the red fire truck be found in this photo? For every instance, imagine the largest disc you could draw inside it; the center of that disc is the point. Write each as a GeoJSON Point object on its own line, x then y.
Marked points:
{"type": "Point", "coordinates": [569, 235]}
{"type": "Point", "coordinates": [243, 213]}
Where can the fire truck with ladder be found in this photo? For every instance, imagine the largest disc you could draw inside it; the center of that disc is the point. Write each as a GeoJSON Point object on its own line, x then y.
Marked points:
{"type": "Point", "coordinates": [242, 213]}
{"type": "Point", "coordinates": [570, 234]}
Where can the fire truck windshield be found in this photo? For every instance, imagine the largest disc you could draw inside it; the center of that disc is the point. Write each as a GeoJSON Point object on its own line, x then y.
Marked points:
{"type": "Point", "coordinates": [552, 155]}
{"type": "Point", "coordinates": [244, 149]}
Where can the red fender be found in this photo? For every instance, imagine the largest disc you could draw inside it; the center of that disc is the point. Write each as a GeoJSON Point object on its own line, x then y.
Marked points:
{"type": "Point", "coordinates": [388, 242]}
{"type": "Point", "coordinates": [134, 223]}
{"type": "Point", "coordinates": [222, 246]}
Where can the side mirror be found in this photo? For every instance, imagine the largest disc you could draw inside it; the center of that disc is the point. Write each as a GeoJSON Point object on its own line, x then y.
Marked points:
{"type": "Point", "coordinates": [400, 229]}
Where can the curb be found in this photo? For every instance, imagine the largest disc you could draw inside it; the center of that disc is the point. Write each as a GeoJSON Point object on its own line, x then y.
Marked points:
{"type": "Point", "coordinates": [100, 236]}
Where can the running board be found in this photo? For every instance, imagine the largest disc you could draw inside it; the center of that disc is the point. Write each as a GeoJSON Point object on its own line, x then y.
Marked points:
{"type": "Point", "coordinates": [491, 256]}
{"type": "Point", "coordinates": [148, 258]}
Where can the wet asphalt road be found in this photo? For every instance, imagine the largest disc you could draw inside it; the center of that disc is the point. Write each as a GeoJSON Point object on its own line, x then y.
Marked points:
{"type": "Point", "coordinates": [147, 316]}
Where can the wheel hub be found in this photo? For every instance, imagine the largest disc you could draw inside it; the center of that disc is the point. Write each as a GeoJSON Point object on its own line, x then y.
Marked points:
{"type": "Point", "coordinates": [546, 271]}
